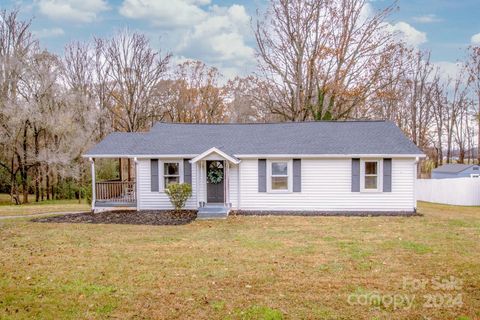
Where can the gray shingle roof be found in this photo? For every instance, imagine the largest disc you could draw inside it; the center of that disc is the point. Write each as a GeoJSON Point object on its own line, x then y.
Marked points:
{"type": "Point", "coordinates": [452, 168]}
{"type": "Point", "coordinates": [335, 138]}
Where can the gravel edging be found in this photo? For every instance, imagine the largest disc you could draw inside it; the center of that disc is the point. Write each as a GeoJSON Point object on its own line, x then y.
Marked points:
{"type": "Point", "coordinates": [144, 217]}
{"type": "Point", "coordinates": [327, 213]}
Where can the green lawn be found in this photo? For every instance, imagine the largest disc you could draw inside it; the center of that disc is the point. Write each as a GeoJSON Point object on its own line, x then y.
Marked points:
{"type": "Point", "coordinates": [246, 268]}
{"type": "Point", "coordinates": [9, 209]}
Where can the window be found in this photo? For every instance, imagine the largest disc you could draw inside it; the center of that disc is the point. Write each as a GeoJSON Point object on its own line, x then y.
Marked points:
{"type": "Point", "coordinates": [171, 173]}
{"type": "Point", "coordinates": [371, 173]}
{"type": "Point", "coordinates": [474, 175]}
{"type": "Point", "coordinates": [279, 175]}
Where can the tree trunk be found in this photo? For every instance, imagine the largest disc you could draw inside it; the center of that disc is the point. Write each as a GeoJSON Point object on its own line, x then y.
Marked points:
{"type": "Point", "coordinates": [129, 170]}
{"type": "Point", "coordinates": [47, 182]}
{"type": "Point", "coordinates": [478, 132]}
{"type": "Point", "coordinates": [37, 171]}
{"type": "Point", "coordinates": [42, 189]}
{"type": "Point", "coordinates": [24, 174]}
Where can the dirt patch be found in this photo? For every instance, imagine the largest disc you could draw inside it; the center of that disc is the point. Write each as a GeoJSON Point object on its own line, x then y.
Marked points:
{"type": "Point", "coordinates": [149, 217]}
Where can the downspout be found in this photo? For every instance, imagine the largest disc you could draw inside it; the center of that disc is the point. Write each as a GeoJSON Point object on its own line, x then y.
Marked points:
{"type": "Point", "coordinates": [238, 187]}
{"type": "Point", "coordinates": [415, 166]}
{"type": "Point", "coordinates": [92, 168]}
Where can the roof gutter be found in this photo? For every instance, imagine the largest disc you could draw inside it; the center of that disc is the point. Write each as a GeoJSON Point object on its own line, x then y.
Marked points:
{"type": "Point", "coordinates": [255, 156]}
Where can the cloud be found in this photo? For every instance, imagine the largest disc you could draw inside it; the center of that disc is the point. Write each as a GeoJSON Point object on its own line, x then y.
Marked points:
{"type": "Point", "coordinates": [217, 35]}
{"type": "Point", "coordinates": [409, 34]}
{"type": "Point", "coordinates": [49, 33]}
{"type": "Point", "coordinates": [221, 36]}
{"type": "Point", "coordinates": [448, 69]}
{"type": "Point", "coordinates": [476, 38]}
{"type": "Point", "coordinates": [402, 30]}
{"type": "Point", "coordinates": [172, 13]}
{"type": "Point", "coordinates": [72, 10]}
{"type": "Point", "coordinates": [428, 18]}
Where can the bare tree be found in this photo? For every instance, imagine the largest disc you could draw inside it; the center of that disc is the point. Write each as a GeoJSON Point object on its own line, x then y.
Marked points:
{"type": "Point", "coordinates": [244, 99]}
{"type": "Point", "coordinates": [193, 95]}
{"type": "Point", "coordinates": [473, 66]}
{"type": "Point", "coordinates": [16, 47]}
{"type": "Point", "coordinates": [131, 71]}
{"type": "Point", "coordinates": [322, 59]}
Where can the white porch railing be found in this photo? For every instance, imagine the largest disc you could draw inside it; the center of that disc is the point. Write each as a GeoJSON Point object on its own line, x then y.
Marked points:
{"type": "Point", "coordinates": [115, 192]}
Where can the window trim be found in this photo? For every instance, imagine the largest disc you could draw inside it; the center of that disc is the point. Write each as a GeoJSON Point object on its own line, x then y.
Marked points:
{"type": "Point", "coordinates": [379, 175]}
{"type": "Point", "coordinates": [162, 171]}
{"type": "Point", "coordinates": [289, 176]}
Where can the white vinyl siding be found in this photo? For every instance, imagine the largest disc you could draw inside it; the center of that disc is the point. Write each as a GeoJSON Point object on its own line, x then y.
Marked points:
{"type": "Point", "coordinates": [326, 185]}
{"type": "Point", "coordinates": [148, 200]}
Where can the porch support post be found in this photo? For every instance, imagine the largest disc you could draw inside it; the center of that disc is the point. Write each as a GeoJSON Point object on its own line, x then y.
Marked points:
{"type": "Point", "coordinates": [197, 174]}
{"type": "Point", "coordinates": [227, 182]}
{"type": "Point", "coordinates": [92, 168]}
{"type": "Point", "coordinates": [137, 197]}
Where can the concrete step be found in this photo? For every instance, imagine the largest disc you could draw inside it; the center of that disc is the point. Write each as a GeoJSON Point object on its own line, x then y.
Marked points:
{"type": "Point", "coordinates": [212, 212]}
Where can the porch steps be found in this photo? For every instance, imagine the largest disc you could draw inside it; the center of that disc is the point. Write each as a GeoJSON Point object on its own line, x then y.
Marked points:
{"type": "Point", "coordinates": [213, 212]}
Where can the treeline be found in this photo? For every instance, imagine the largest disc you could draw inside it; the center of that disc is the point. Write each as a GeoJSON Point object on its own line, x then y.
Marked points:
{"type": "Point", "coordinates": [317, 60]}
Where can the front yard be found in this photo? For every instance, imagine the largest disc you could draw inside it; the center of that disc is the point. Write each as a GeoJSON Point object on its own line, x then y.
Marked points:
{"type": "Point", "coordinates": [246, 268]}
{"type": "Point", "coordinates": [9, 209]}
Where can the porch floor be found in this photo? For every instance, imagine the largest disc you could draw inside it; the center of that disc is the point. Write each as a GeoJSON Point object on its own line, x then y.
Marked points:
{"type": "Point", "coordinates": [109, 203]}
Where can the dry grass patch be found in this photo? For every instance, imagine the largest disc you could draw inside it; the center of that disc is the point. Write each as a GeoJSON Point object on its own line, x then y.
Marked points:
{"type": "Point", "coordinates": [239, 268]}
{"type": "Point", "coordinates": [47, 206]}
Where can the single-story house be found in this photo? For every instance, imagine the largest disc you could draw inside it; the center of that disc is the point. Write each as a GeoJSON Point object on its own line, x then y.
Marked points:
{"type": "Point", "coordinates": [337, 166]}
{"type": "Point", "coordinates": [456, 170]}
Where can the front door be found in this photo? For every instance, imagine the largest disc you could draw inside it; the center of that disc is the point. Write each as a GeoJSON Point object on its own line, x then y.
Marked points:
{"type": "Point", "coordinates": [215, 181]}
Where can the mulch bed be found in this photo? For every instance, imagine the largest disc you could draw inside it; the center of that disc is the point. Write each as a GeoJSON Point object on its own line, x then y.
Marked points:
{"type": "Point", "coordinates": [326, 213]}
{"type": "Point", "coordinates": [148, 217]}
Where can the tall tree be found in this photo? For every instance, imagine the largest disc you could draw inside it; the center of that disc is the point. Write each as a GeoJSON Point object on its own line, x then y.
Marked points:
{"type": "Point", "coordinates": [193, 95]}
{"type": "Point", "coordinates": [322, 59]}
{"type": "Point", "coordinates": [17, 46]}
{"type": "Point", "coordinates": [473, 66]}
{"type": "Point", "coordinates": [131, 70]}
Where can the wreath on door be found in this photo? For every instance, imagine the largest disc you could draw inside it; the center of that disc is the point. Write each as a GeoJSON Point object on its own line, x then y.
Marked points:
{"type": "Point", "coordinates": [215, 173]}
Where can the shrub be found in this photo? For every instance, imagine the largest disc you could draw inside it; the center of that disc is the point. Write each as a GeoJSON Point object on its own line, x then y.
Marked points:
{"type": "Point", "coordinates": [179, 194]}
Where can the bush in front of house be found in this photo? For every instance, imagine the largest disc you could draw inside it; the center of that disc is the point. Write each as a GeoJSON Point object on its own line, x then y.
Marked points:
{"type": "Point", "coordinates": [179, 194]}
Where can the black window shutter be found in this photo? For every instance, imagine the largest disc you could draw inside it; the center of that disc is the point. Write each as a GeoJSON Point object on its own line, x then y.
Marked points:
{"type": "Point", "coordinates": [154, 175]}
{"type": "Point", "coordinates": [355, 175]}
{"type": "Point", "coordinates": [387, 175]}
{"type": "Point", "coordinates": [297, 175]}
{"type": "Point", "coordinates": [262, 175]}
{"type": "Point", "coordinates": [187, 171]}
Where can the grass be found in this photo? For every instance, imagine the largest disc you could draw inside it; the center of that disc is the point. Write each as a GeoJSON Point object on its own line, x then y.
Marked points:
{"type": "Point", "coordinates": [243, 268]}
{"type": "Point", "coordinates": [9, 209]}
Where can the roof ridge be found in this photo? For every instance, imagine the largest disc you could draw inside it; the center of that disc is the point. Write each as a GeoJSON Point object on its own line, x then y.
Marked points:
{"type": "Point", "coordinates": [277, 122]}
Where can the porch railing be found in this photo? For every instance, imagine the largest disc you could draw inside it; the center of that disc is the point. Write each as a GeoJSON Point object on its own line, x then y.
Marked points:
{"type": "Point", "coordinates": [115, 191]}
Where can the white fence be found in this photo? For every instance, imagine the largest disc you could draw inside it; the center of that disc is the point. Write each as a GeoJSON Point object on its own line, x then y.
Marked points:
{"type": "Point", "coordinates": [458, 191]}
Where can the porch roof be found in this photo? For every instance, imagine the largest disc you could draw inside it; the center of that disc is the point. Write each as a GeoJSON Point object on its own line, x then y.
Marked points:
{"type": "Point", "coordinates": [214, 150]}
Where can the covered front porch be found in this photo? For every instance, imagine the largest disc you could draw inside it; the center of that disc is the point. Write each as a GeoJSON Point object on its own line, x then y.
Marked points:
{"type": "Point", "coordinates": [118, 191]}
{"type": "Point", "coordinates": [217, 178]}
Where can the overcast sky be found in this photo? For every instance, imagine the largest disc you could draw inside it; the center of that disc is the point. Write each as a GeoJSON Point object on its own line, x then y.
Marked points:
{"type": "Point", "coordinates": [218, 32]}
